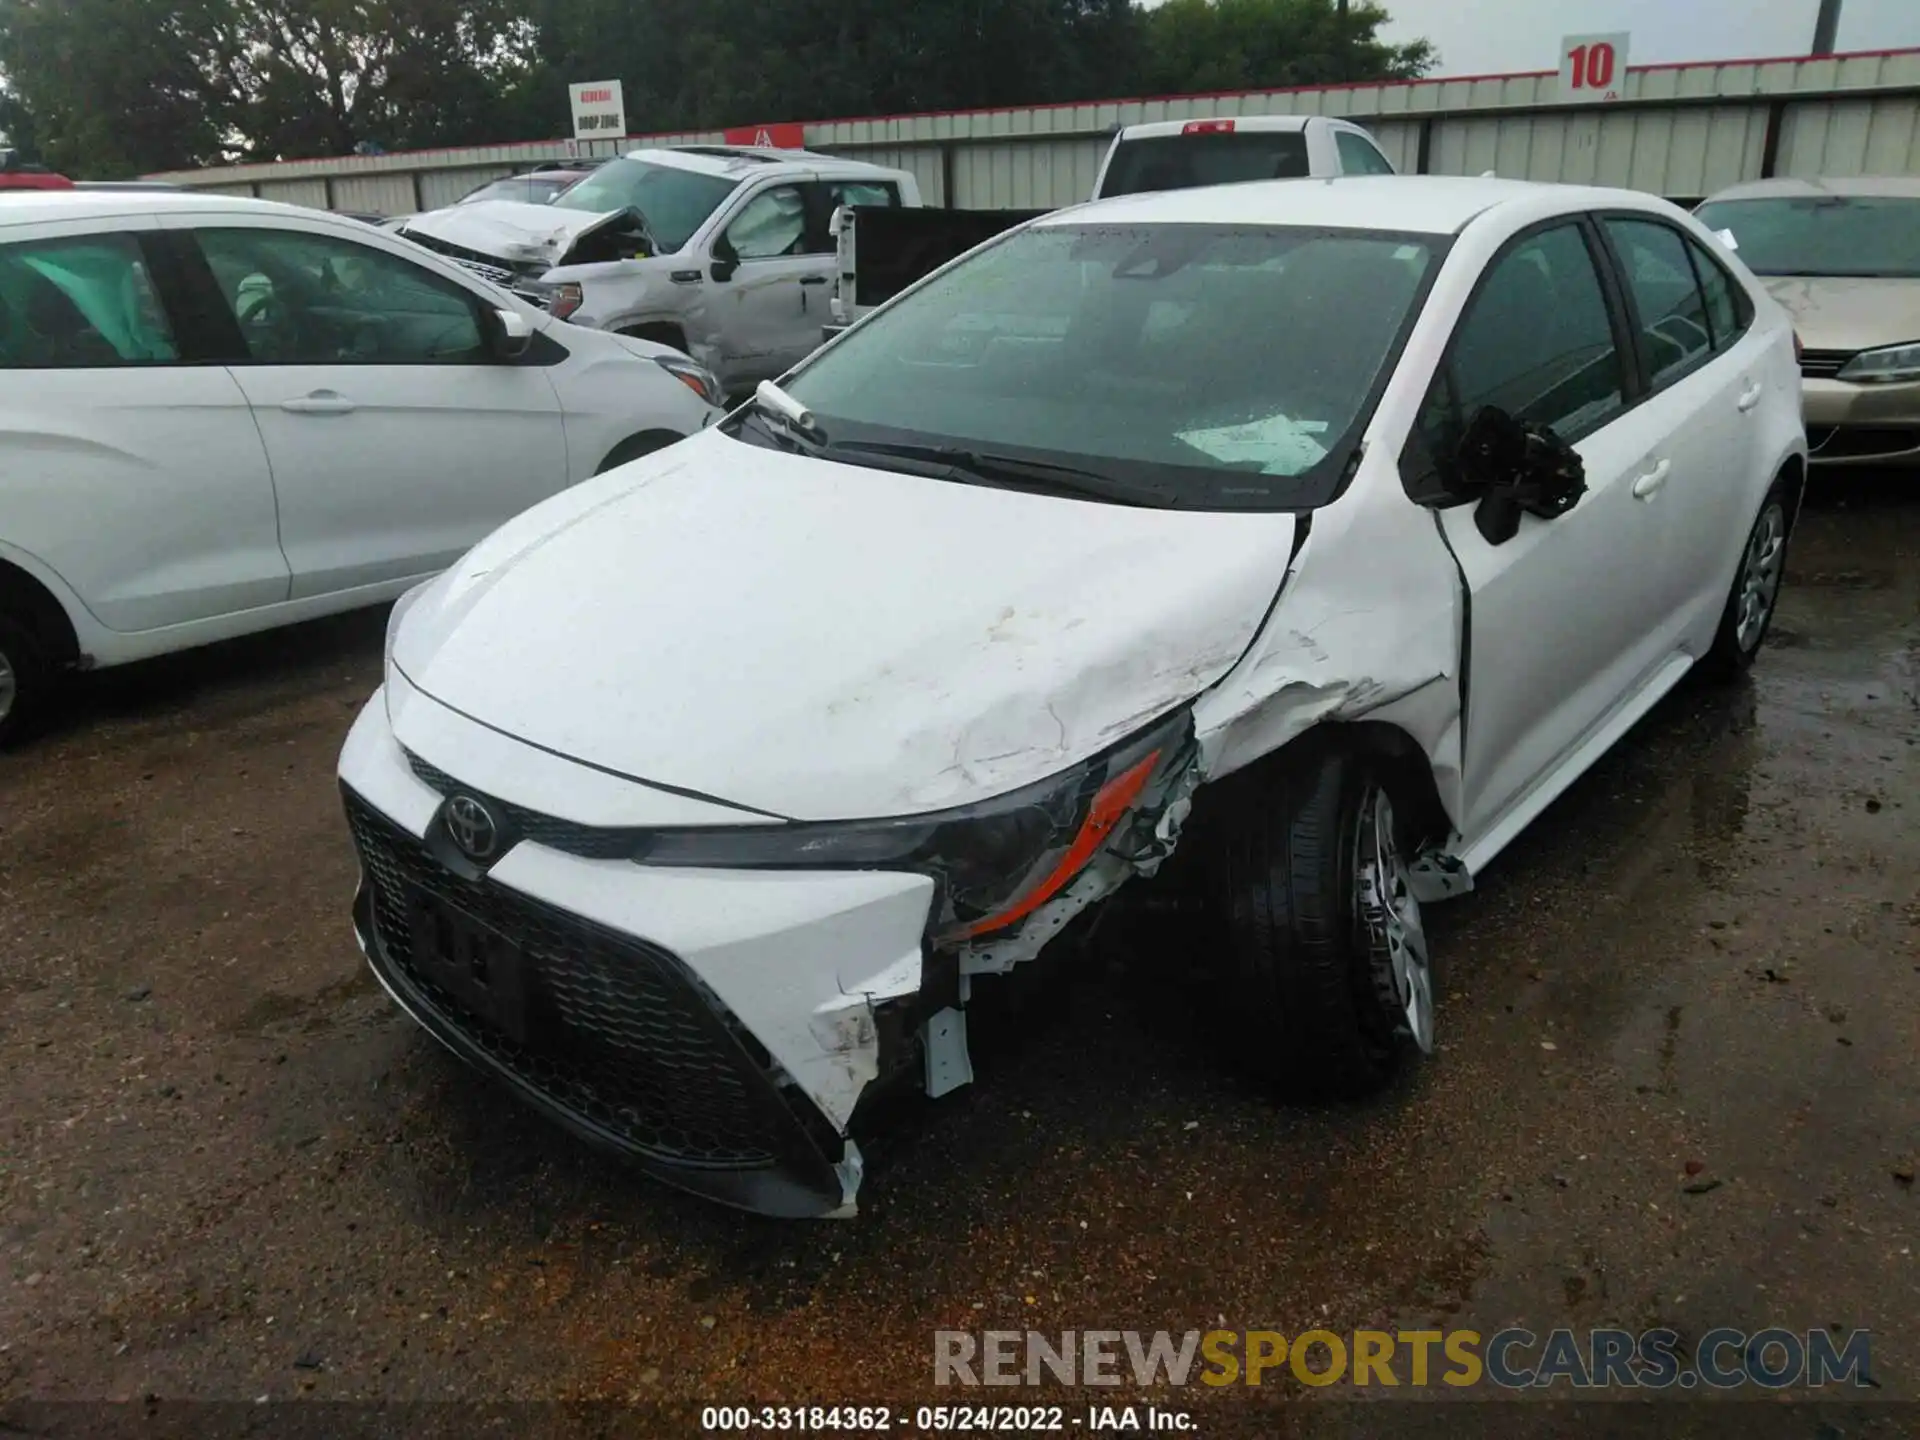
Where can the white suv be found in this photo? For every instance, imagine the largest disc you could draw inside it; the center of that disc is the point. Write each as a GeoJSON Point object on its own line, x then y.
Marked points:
{"type": "Point", "coordinates": [222, 415]}
{"type": "Point", "coordinates": [722, 252]}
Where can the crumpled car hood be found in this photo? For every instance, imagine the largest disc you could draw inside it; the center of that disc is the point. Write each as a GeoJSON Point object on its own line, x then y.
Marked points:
{"type": "Point", "coordinates": [1849, 314]}
{"type": "Point", "coordinates": [510, 230]}
{"type": "Point", "coordinates": [823, 641]}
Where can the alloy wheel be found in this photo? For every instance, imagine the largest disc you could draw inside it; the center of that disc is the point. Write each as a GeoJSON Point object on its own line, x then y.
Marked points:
{"type": "Point", "coordinates": [1392, 916]}
{"type": "Point", "coordinates": [1760, 575]}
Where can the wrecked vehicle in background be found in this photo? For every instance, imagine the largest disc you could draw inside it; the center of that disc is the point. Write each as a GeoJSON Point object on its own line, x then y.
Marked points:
{"type": "Point", "coordinates": [1308, 539]}
{"type": "Point", "coordinates": [720, 251]}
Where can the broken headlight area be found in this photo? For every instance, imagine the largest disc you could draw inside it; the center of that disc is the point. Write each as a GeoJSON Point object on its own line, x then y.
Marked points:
{"type": "Point", "coordinates": [994, 862]}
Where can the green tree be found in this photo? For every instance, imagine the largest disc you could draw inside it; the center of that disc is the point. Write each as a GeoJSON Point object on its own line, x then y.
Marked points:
{"type": "Point", "coordinates": [1201, 45]}
{"type": "Point", "coordinates": [115, 87]}
{"type": "Point", "coordinates": [213, 80]}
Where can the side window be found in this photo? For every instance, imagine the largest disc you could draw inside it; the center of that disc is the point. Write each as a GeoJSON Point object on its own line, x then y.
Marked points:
{"type": "Point", "coordinates": [303, 298]}
{"type": "Point", "coordinates": [860, 192]}
{"type": "Point", "coordinates": [1673, 313]}
{"type": "Point", "coordinates": [772, 224]}
{"type": "Point", "coordinates": [82, 302]}
{"type": "Point", "coordinates": [1358, 155]}
{"type": "Point", "coordinates": [1537, 342]}
{"type": "Point", "coordinates": [1729, 310]}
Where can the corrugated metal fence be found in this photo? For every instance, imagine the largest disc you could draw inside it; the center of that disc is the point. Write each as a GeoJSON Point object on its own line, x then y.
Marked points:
{"type": "Point", "coordinates": [1678, 130]}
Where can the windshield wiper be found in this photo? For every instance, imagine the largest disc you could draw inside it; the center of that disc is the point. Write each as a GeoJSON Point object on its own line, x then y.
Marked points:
{"type": "Point", "coordinates": [1071, 480]}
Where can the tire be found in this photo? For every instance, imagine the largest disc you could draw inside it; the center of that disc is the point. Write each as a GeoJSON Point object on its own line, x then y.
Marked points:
{"type": "Point", "coordinates": [1756, 589]}
{"type": "Point", "coordinates": [634, 446]}
{"type": "Point", "coordinates": [26, 681]}
{"type": "Point", "coordinates": [1331, 982]}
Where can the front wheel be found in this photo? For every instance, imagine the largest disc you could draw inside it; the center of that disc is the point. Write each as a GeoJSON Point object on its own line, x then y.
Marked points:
{"type": "Point", "coordinates": [1756, 589]}
{"type": "Point", "coordinates": [1331, 975]}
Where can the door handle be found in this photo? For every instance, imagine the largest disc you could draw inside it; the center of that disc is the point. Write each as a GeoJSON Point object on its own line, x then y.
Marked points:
{"type": "Point", "coordinates": [813, 279]}
{"type": "Point", "coordinates": [320, 402]}
{"type": "Point", "coordinates": [1749, 397]}
{"type": "Point", "coordinates": [1648, 485]}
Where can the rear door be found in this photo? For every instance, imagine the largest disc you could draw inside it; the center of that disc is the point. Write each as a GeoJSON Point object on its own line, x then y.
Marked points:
{"type": "Point", "coordinates": [1565, 614]}
{"type": "Point", "coordinates": [396, 440]}
{"type": "Point", "coordinates": [1703, 384]}
{"type": "Point", "coordinates": [127, 463]}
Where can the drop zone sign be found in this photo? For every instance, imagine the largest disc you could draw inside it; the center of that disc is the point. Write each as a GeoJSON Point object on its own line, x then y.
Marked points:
{"type": "Point", "coordinates": [599, 109]}
{"type": "Point", "coordinates": [1593, 67]}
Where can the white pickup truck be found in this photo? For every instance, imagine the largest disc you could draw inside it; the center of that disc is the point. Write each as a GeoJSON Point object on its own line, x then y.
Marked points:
{"type": "Point", "coordinates": [882, 251]}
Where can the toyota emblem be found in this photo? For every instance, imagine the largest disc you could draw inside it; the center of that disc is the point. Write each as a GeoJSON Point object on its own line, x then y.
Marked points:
{"type": "Point", "coordinates": [473, 827]}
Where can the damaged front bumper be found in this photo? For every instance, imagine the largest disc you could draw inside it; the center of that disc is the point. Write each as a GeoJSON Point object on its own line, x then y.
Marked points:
{"type": "Point", "coordinates": [715, 1028]}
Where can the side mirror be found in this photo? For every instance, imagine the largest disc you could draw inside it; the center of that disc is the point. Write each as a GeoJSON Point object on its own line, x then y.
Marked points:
{"type": "Point", "coordinates": [726, 259]}
{"type": "Point", "coordinates": [1515, 468]}
{"type": "Point", "coordinates": [512, 334]}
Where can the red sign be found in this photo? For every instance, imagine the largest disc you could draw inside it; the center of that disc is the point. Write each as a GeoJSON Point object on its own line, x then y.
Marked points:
{"type": "Point", "coordinates": [769, 137]}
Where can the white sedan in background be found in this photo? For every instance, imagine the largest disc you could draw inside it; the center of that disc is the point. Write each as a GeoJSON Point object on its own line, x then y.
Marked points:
{"type": "Point", "coordinates": [222, 415]}
{"type": "Point", "coordinates": [1304, 539]}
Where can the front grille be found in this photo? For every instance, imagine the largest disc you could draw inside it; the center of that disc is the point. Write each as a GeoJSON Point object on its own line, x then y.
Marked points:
{"type": "Point", "coordinates": [589, 842]}
{"type": "Point", "coordinates": [485, 266]}
{"type": "Point", "coordinates": [1824, 364]}
{"type": "Point", "coordinates": [619, 1033]}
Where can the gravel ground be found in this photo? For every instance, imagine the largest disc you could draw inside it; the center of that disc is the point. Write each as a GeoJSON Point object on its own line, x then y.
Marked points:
{"type": "Point", "coordinates": [1677, 1086]}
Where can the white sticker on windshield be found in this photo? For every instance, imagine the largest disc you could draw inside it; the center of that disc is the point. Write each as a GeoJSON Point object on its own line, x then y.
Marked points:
{"type": "Point", "coordinates": [1279, 444]}
{"type": "Point", "coordinates": [1725, 237]}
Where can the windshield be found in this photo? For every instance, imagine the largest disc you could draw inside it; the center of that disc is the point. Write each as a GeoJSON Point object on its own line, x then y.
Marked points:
{"type": "Point", "coordinates": [1181, 162]}
{"type": "Point", "coordinates": [1218, 367]}
{"type": "Point", "coordinates": [1839, 235]}
{"type": "Point", "coordinates": [674, 201]}
{"type": "Point", "coordinates": [527, 189]}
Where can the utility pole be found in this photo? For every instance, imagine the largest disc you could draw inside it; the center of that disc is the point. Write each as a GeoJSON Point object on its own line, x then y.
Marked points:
{"type": "Point", "coordinates": [1825, 27]}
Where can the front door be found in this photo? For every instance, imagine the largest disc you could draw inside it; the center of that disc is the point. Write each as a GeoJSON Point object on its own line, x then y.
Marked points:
{"type": "Point", "coordinates": [770, 313]}
{"type": "Point", "coordinates": [397, 441]}
{"type": "Point", "coordinates": [1564, 614]}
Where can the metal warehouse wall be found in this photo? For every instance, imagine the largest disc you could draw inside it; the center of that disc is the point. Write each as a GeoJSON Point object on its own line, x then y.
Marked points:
{"type": "Point", "coordinates": [1677, 130]}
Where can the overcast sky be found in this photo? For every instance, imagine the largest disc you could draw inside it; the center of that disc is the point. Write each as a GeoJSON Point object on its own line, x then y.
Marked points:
{"type": "Point", "coordinates": [1495, 36]}
{"type": "Point", "coordinates": [1492, 37]}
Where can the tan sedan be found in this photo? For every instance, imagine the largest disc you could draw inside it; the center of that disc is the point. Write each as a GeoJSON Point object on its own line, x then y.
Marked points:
{"type": "Point", "coordinates": [1843, 256]}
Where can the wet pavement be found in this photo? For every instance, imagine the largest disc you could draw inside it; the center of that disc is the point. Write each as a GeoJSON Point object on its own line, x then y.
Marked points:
{"type": "Point", "coordinates": [1677, 1087]}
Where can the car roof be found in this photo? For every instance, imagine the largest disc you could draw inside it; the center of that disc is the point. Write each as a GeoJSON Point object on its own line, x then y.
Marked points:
{"type": "Point", "coordinates": [736, 162]}
{"type": "Point", "coordinates": [49, 205]}
{"type": "Point", "coordinates": [1153, 129]}
{"type": "Point", "coordinates": [1902, 186]}
{"type": "Point", "coordinates": [1422, 204]}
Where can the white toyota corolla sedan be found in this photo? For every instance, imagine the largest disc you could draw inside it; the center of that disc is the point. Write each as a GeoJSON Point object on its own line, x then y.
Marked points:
{"type": "Point", "coordinates": [1313, 534]}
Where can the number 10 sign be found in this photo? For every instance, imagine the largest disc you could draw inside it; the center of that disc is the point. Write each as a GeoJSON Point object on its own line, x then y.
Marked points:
{"type": "Point", "coordinates": [1593, 67]}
